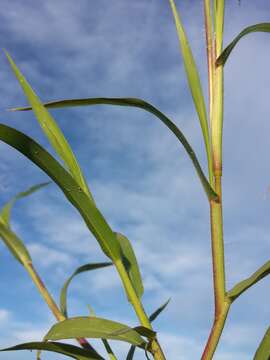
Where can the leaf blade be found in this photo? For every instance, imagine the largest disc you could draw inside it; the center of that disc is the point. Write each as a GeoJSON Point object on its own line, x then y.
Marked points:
{"type": "Point", "coordinates": [263, 351]}
{"type": "Point", "coordinates": [244, 285]}
{"type": "Point", "coordinates": [131, 264]}
{"type": "Point", "coordinates": [193, 78]}
{"type": "Point", "coordinates": [89, 212]}
{"type": "Point", "coordinates": [261, 27]}
{"type": "Point", "coordinates": [93, 327]}
{"type": "Point", "coordinates": [141, 104]}
{"type": "Point", "coordinates": [79, 270]}
{"type": "Point", "coordinates": [51, 129]}
{"type": "Point", "coordinates": [61, 348]}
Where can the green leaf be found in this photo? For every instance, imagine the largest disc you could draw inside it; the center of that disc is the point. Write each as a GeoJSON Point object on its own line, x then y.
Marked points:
{"type": "Point", "coordinates": [89, 212]}
{"type": "Point", "coordinates": [14, 244]}
{"type": "Point", "coordinates": [152, 317]}
{"type": "Point", "coordinates": [131, 264]}
{"type": "Point", "coordinates": [156, 313]}
{"type": "Point", "coordinates": [262, 27]}
{"type": "Point", "coordinates": [93, 327]}
{"type": "Point", "coordinates": [263, 351]}
{"type": "Point", "coordinates": [193, 78]}
{"type": "Point", "coordinates": [5, 213]}
{"type": "Point", "coordinates": [87, 267]}
{"type": "Point", "coordinates": [242, 286]}
{"type": "Point", "coordinates": [138, 103]}
{"type": "Point", "coordinates": [64, 349]}
{"type": "Point", "coordinates": [51, 130]}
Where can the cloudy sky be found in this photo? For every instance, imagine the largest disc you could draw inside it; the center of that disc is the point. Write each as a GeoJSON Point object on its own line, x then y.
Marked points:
{"type": "Point", "coordinates": [141, 178]}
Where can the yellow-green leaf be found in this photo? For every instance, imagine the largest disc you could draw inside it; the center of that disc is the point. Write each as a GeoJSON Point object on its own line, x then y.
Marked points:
{"type": "Point", "coordinates": [131, 264]}
{"type": "Point", "coordinates": [262, 27]}
{"type": "Point", "coordinates": [93, 327]}
{"type": "Point", "coordinates": [89, 212]}
{"type": "Point", "coordinates": [87, 267]}
{"type": "Point", "coordinates": [263, 351]}
{"type": "Point", "coordinates": [51, 130]}
{"type": "Point", "coordinates": [193, 78]}
{"type": "Point", "coordinates": [60, 348]}
{"type": "Point", "coordinates": [138, 103]}
{"type": "Point", "coordinates": [242, 286]}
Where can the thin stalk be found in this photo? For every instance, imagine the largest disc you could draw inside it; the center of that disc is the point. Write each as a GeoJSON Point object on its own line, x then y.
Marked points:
{"type": "Point", "coordinates": [50, 301]}
{"type": "Point", "coordinates": [215, 75]}
{"type": "Point", "coordinates": [215, 333]}
{"type": "Point", "coordinates": [109, 349]}
{"type": "Point", "coordinates": [154, 347]}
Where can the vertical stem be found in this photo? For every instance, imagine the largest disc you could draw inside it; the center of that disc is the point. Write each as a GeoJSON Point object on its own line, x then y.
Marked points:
{"type": "Point", "coordinates": [155, 347]}
{"type": "Point", "coordinates": [215, 74]}
{"type": "Point", "coordinates": [50, 301]}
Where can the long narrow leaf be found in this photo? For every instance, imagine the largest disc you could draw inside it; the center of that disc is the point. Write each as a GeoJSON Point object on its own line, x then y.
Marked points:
{"type": "Point", "coordinates": [263, 351]}
{"type": "Point", "coordinates": [193, 77]}
{"type": "Point", "coordinates": [138, 103]}
{"type": "Point", "coordinates": [131, 264]}
{"type": "Point", "coordinates": [242, 286]}
{"type": "Point", "coordinates": [81, 269]}
{"type": "Point", "coordinates": [93, 327]}
{"type": "Point", "coordinates": [5, 213]}
{"type": "Point", "coordinates": [51, 130]}
{"type": "Point", "coordinates": [60, 348]}
{"type": "Point", "coordinates": [262, 27]}
{"type": "Point", "coordinates": [91, 215]}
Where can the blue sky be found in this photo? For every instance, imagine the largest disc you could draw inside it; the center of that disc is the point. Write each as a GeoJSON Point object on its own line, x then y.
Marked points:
{"type": "Point", "coordinates": [140, 176]}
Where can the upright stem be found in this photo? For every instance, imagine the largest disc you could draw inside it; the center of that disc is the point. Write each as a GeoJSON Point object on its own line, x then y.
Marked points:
{"type": "Point", "coordinates": [215, 75]}
{"type": "Point", "coordinates": [155, 347]}
{"type": "Point", "coordinates": [50, 301]}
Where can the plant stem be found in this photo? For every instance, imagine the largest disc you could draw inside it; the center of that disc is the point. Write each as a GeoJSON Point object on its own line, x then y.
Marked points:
{"type": "Point", "coordinates": [50, 301]}
{"type": "Point", "coordinates": [154, 346]}
{"type": "Point", "coordinates": [215, 333]}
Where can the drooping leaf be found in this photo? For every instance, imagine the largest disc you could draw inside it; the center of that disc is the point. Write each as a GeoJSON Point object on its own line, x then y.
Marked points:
{"type": "Point", "coordinates": [51, 130]}
{"type": "Point", "coordinates": [93, 327]}
{"type": "Point", "coordinates": [152, 317]}
{"type": "Point", "coordinates": [89, 212]}
{"type": "Point", "coordinates": [60, 348]}
{"type": "Point", "coordinates": [5, 213]}
{"type": "Point", "coordinates": [138, 103]}
{"type": "Point", "coordinates": [14, 244]}
{"type": "Point", "coordinates": [263, 351]}
{"type": "Point", "coordinates": [193, 77]}
{"type": "Point", "coordinates": [262, 27]}
{"type": "Point", "coordinates": [87, 267]}
{"type": "Point", "coordinates": [242, 286]}
{"type": "Point", "coordinates": [131, 264]}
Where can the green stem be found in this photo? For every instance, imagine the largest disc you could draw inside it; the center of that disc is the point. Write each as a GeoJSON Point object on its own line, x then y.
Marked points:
{"type": "Point", "coordinates": [109, 349]}
{"type": "Point", "coordinates": [50, 301]}
{"type": "Point", "coordinates": [154, 346]}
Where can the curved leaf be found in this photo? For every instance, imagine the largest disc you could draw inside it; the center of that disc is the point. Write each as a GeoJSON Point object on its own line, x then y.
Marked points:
{"type": "Point", "coordinates": [87, 267]}
{"type": "Point", "coordinates": [263, 351]}
{"type": "Point", "coordinates": [5, 213]}
{"type": "Point", "coordinates": [93, 327]}
{"type": "Point", "coordinates": [193, 78]}
{"type": "Point", "coordinates": [262, 27]}
{"type": "Point", "coordinates": [89, 212]}
{"type": "Point", "coordinates": [14, 244]}
{"type": "Point", "coordinates": [51, 130]}
{"type": "Point", "coordinates": [242, 286]}
{"type": "Point", "coordinates": [64, 349]}
{"type": "Point", "coordinates": [131, 264]}
{"type": "Point", "coordinates": [138, 103]}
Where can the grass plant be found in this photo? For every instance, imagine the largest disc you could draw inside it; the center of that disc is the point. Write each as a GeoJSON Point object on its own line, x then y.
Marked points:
{"type": "Point", "coordinates": [67, 174]}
